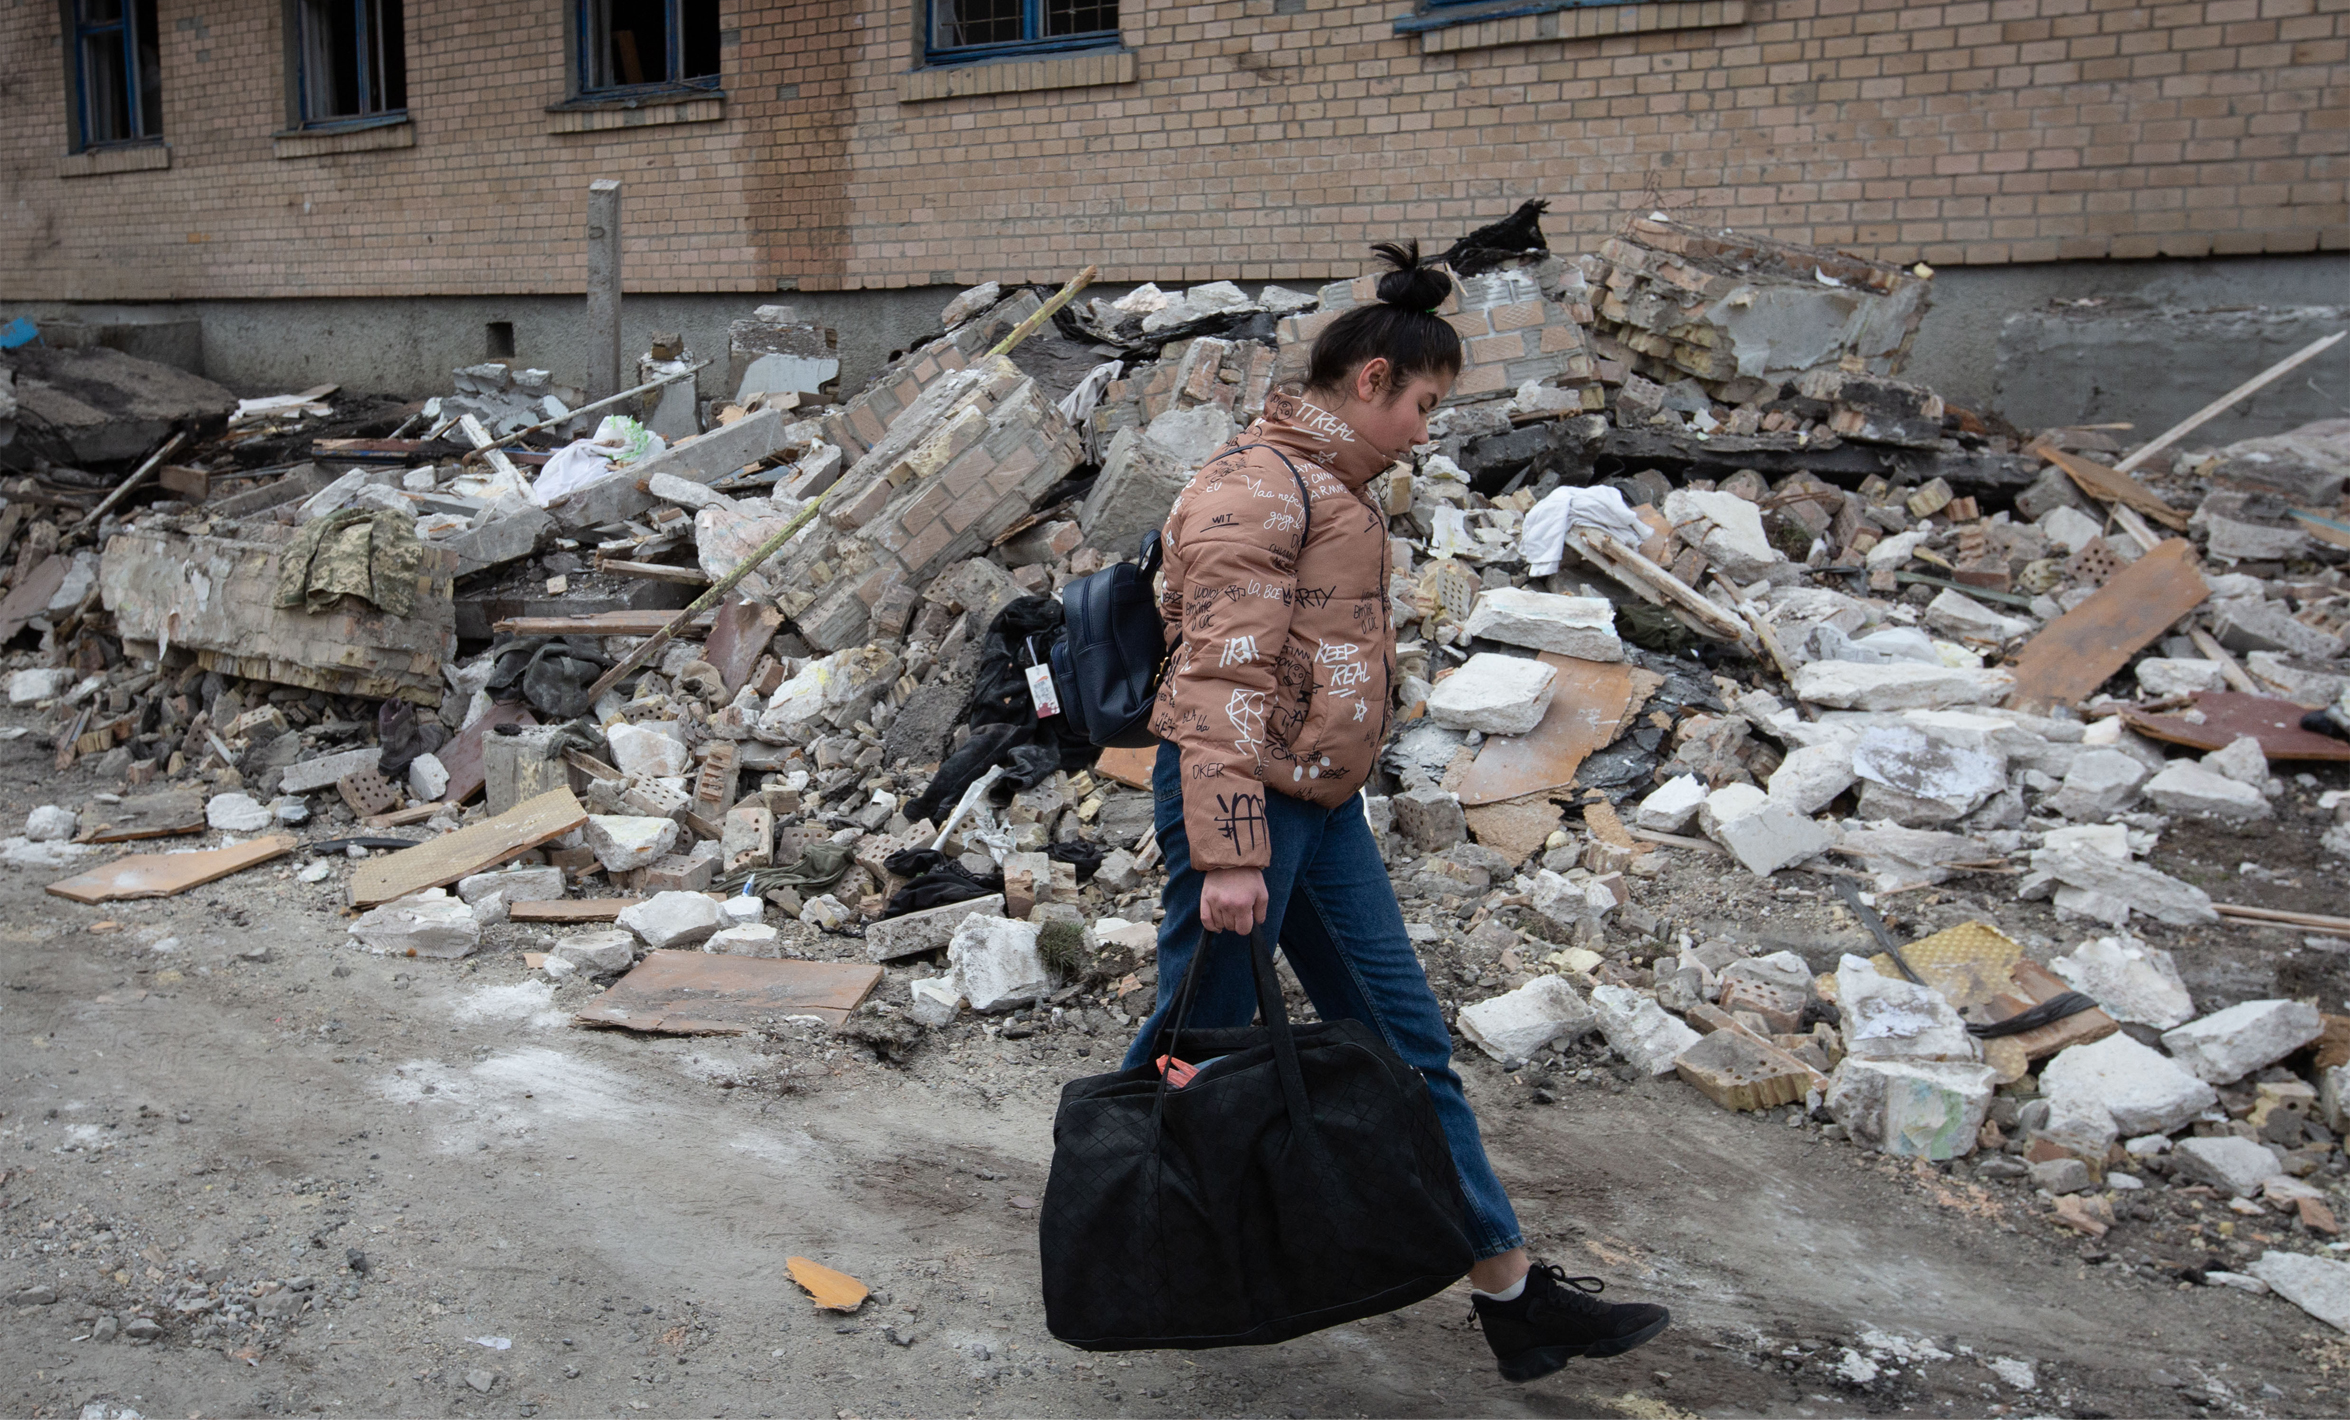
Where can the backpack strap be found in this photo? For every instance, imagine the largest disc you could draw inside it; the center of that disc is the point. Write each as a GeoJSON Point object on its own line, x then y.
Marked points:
{"type": "Point", "coordinates": [1305, 497]}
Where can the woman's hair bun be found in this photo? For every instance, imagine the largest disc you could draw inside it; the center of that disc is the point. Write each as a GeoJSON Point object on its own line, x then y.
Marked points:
{"type": "Point", "coordinates": [1410, 284]}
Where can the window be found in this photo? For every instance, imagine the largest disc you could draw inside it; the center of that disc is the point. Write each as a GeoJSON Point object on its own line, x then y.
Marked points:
{"type": "Point", "coordinates": [978, 29]}
{"type": "Point", "coordinates": [628, 44]}
{"type": "Point", "coordinates": [350, 60]}
{"type": "Point", "coordinates": [118, 92]}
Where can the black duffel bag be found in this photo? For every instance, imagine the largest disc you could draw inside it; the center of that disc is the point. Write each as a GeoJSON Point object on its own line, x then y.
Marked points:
{"type": "Point", "coordinates": [1298, 1181]}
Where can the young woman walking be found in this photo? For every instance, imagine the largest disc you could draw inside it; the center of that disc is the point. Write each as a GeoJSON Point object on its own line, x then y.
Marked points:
{"type": "Point", "coordinates": [1274, 706]}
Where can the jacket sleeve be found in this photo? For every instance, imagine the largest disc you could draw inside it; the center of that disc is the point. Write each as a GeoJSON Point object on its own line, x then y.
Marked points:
{"type": "Point", "coordinates": [1240, 534]}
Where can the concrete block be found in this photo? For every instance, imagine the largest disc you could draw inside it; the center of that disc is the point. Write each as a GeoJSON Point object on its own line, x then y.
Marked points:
{"type": "Point", "coordinates": [930, 930]}
{"type": "Point", "coordinates": [1740, 1071]}
{"type": "Point", "coordinates": [1936, 781]}
{"type": "Point", "coordinates": [522, 766]}
{"type": "Point", "coordinates": [512, 885]}
{"type": "Point", "coordinates": [2061, 1176]}
{"type": "Point", "coordinates": [2066, 526]}
{"type": "Point", "coordinates": [51, 824]}
{"type": "Point", "coordinates": [1138, 484]}
{"type": "Point", "coordinates": [2162, 675]}
{"type": "Point", "coordinates": [2249, 624]}
{"type": "Point", "coordinates": [1584, 627]}
{"type": "Point", "coordinates": [1429, 819]}
{"type": "Point", "coordinates": [2229, 1164]}
{"type": "Point", "coordinates": [624, 843]}
{"type": "Point", "coordinates": [1768, 835]}
{"type": "Point", "coordinates": [1638, 1029]}
{"type": "Point", "coordinates": [1669, 807]}
{"type": "Point", "coordinates": [437, 926]}
{"type": "Point", "coordinates": [599, 953]}
{"type": "Point", "coordinates": [2187, 787]}
{"type": "Point", "coordinates": [753, 940]}
{"type": "Point", "coordinates": [1811, 776]}
{"type": "Point", "coordinates": [2099, 784]}
{"type": "Point", "coordinates": [1495, 694]}
{"type": "Point", "coordinates": [2225, 1046]}
{"type": "Point", "coordinates": [311, 775]}
{"type": "Point", "coordinates": [237, 813]}
{"type": "Point", "coordinates": [2141, 1090]}
{"type": "Point", "coordinates": [671, 919]}
{"type": "Point", "coordinates": [1900, 685]}
{"type": "Point", "coordinates": [1512, 1026]}
{"type": "Point", "coordinates": [2242, 760]}
{"type": "Point", "coordinates": [2319, 1286]}
{"type": "Point", "coordinates": [1962, 618]}
{"type": "Point", "coordinates": [510, 534]}
{"type": "Point", "coordinates": [935, 1001]}
{"type": "Point", "coordinates": [428, 778]}
{"type": "Point", "coordinates": [1734, 540]}
{"type": "Point", "coordinates": [996, 964]}
{"type": "Point", "coordinates": [1887, 1018]}
{"type": "Point", "coordinates": [748, 838]}
{"type": "Point", "coordinates": [2099, 886]}
{"type": "Point", "coordinates": [2135, 984]}
{"type": "Point", "coordinates": [647, 751]}
{"type": "Point", "coordinates": [33, 686]}
{"type": "Point", "coordinates": [678, 872]}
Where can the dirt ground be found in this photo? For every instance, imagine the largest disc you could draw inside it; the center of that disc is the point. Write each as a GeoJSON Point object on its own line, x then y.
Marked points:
{"type": "Point", "coordinates": [218, 1091]}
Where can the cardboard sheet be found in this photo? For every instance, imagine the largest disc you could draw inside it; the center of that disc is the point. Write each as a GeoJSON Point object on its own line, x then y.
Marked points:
{"type": "Point", "coordinates": [1585, 711]}
{"type": "Point", "coordinates": [167, 874]}
{"type": "Point", "coordinates": [698, 993]}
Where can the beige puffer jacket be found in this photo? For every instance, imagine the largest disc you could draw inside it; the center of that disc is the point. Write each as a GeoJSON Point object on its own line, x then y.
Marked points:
{"type": "Point", "coordinates": [1280, 657]}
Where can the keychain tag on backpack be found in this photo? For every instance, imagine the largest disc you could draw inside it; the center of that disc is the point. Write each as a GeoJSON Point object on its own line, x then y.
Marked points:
{"type": "Point", "coordinates": [1040, 690]}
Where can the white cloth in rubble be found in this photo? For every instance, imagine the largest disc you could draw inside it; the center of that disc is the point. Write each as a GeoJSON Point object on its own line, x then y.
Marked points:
{"type": "Point", "coordinates": [1079, 402]}
{"type": "Point", "coordinates": [583, 461]}
{"type": "Point", "coordinates": [1543, 540]}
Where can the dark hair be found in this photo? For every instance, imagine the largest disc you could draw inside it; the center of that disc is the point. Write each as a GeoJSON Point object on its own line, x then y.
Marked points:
{"type": "Point", "coordinates": [1401, 327]}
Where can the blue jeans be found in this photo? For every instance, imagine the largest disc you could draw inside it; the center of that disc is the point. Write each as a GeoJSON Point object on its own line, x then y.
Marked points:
{"type": "Point", "coordinates": [1333, 910]}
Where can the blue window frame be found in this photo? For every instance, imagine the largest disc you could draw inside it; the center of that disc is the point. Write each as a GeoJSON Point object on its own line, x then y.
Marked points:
{"type": "Point", "coordinates": [981, 29]}
{"type": "Point", "coordinates": [117, 73]}
{"type": "Point", "coordinates": [646, 45]}
{"type": "Point", "coordinates": [1438, 14]}
{"type": "Point", "coordinates": [350, 61]}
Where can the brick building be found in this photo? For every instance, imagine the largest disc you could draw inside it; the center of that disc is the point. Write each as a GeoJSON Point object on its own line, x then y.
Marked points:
{"type": "Point", "coordinates": [374, 190]}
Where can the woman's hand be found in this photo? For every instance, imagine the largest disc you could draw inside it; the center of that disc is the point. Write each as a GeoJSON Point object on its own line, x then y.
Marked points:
{"type": "Point", "coordinates": [1232, 900]}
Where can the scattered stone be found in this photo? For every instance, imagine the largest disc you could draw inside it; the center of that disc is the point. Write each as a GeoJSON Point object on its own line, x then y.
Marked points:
{"type": "Point", "coordinates": [741, 910]}
{"type": "Point", "coordinates": [2096, 885]}
{"type": "Point", "coordinates": [1925, 1109]}
{"type": "Point", "coordinates": [671, 919]}
{"type": "Point", "coordinates": [1762, 833]}
{"type": "Point", "coordinates": [1512, 1026]}
{"type": "Point", "coordinates": [2227, 1163]}
{"type": "Point", "coordinates": [644, 752]}
{"type": "Point", "coordinates": [936, 1000]}
{"type": "Point", "coordinates": [428, 779]}
{"type": "Point", "coordinates": [930, 930]}
{"type": "Point", "coordinates": [311, 775]}
{"type": "Point", "coordinates": [757, 940]}
{"type": "Point", "coordinates": [530, 884]}
{"type": "Point", "coordinates": [2319, 1286]}
{"type": "Point", "coordinates": [996, 964]}
{"type": "Point", "coordinates": [37, 1295]}
{"type": "Point", "coordinates": [33, 686]}
{"type": "Point", "coordinates": [2242, 760]}
{"type": "Point", "coordinates": [1670, 806]}
{"type": "Point", "coordinates": [1494, 694]}
{"type": "Point", "coordinates": [2135, 984]}
{"type": "Point", "coordinates": [2159, 675]}
{"type": "Point", "coordinates": [1886, 1018]}
{"type": "Point", "coordinates": [1849, 685]}
{"type": "Point", "coordinates": [237, 813]}
{"type": "Point", "coordinates": [1962, 618]}
{"type": "Point", "coordinates": [825, 913]}
{"type": "Point", "coordinates": [2225, 1046]}
{"type": "Point", "coordinates": [51, 824]}
{"type": "Point", "coordinates": [2060, 1176]}
{"type": "Point", "coordinates": [427, 925]}
{"type": "Point", "coordinates": [1811, 776]}
{"type": "Point", "coordinates": [2139, 1089]}
{"type": "Point", "coordinates": [1638, 1029]}
{"type": "Point", "coordinates": [1431, 820]}
{"type": "Point", "coordinates": [1584, 627]}
{"type": "Point", "coordinates": [600, 953]}
{"type": "Point", "coordinates": [2099, 784]}
{"type": "Point", "coordinates": [2187, 787]}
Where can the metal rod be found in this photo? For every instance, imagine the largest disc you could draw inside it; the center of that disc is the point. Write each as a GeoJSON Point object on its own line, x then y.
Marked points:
{"type": "Point", "coordinates": [139, 476]}
{"type": "Point", "coordinates": [646, 388]}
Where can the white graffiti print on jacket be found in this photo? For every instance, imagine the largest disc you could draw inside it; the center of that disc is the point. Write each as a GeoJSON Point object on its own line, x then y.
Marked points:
{"type": "Point", "coordinates": [1239, 651]}
{"type": "Point", "coordinates": [1349, 672]}
{"type": "Point", "coordinates": [1246, 711]}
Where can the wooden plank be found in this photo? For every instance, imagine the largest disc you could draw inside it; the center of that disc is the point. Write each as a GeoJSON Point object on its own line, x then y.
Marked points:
{"type": "Point", "coordinates": [698, 993]}
{"type": "Point", "coordinates": [2081, 650]}
{"type": "Point", "coordinates": [2321, 527]}
{"type": "Point", "coordinates": [165, 874]}
{"type": "Point", "coordinates": [738, 637]}
{"type": "Point", "coordinates": [602, 623]}
{"type": "Point", "coordinates": [441, 861]}
{"type": "Point", "coordinates": [1584, 712]}
{"type": "Point", "coordinates": [2030, 984]}
{"type": "Point", "coordinates": [654, 571]}
{"type": "Point", "coordinates": [571, 909]}
{"type": "Point", "coordinates": [462, 755]}
{"type": "Point", "coordinates": [1130, 767]}
{"type": "Point", "coordinates": [2114, 486]}
{"type": "Point", "coordinates": [189, 485]}
{"type": "Point", "coordinates": [27, 599]}
{"type": "Point", "coordinates": [401, 818]}
{"type": "Point", "coordinates": [2226, 716]}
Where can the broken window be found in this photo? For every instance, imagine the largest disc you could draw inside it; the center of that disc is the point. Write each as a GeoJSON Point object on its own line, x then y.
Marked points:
{"type": "Point", "coordinates": [117, 72]}
{"type": "Point", "coordinates": [350, 59]}
{"type": "Point", "coordinates": [970, 29]}
{"type": "Point", "coordinates": [626, 44]}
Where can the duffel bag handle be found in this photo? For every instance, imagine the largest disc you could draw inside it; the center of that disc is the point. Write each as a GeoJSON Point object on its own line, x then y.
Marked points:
{"type": "Point", "coordinates": [1275, 1012]}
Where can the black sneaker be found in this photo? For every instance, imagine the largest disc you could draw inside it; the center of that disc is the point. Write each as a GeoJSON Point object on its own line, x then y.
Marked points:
{"type": "Point", "coordinates": [1558, 1318]}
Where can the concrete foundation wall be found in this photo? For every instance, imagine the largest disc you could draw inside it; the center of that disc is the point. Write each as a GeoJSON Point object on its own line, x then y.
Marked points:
{"type": "Point", "coordinates": [1990, 340]}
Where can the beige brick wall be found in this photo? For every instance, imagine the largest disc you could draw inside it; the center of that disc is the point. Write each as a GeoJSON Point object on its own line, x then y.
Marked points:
{"type": "Point", "coordinates": [1247, 145]}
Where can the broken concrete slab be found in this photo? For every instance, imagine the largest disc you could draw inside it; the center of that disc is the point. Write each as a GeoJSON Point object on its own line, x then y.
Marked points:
{"type": "Point", "coordinates": [1923, 1109]}
{"type": "Point", "coordinates": [2242, 760]}
{"type": "Point", "coordinates": [1429, 819]}
{"type": "Point", "coordinates": [90, 406]}
{"type": "Point", "coordinates": [996, 964]}
{"type": "Point", "coordinates": [1849, 685]}
{"type": "Point", "coordinates": [1582, 627]}
{"type": "Point", "coordinates": [1494, 694]}
{"type": "Point", "coordinates": [2229, 1164]}
{"type": "Point", "coordinates": [650, 750]}
{"type": "Point", "coordinates": [2165, 676]}
{"type": "Point", "coordinates": [625, 842]}
{"type": "Point", "coordinates": [706, 458]}
{"type": "Point", "coordinates": [1764, 834]}
{"type": "Point", "coordinates": [2133, 982]}
{"type": "Point", "coordinates": [1728, 529]}
{"type": "Point", "coordinates": [2251, 624]}
{"type": "Point", "coordinates": [1886, 1018]}
{"type": "Point", "coordinates": [431, 924]}
{"type": "Point", "coordinates": [1811, 776]}
{"type": "Point", "coordinates": [309, 776]}
{"type": "Point", "coordinates": [930, 930]}
{"type": "Point", "coordinates": [1638, 1029]}
{"type": "Point", "coordinates": [2319, 1286]}
{"type": "Point", "coordinates": [672, 919]}
{"type": "Point", "coordinates": [754, 939]}
{"type": "Point", "coordinates": [1670, 806]}
{"type": "Point", "coordinates": [1962, 618]}
{"type": "Point", "coordinates": [597, 953]}
{"type": "Point", "coordinates": [2227, 1045]}
{"type": "Point", "coordinates": [2141, 1090]}
{"type": "Point", "coordinates": [2099, 784]}
{"type": "Point", "coordinates": [237, 813]}
{"type": "Point", "coordinates": [2186, 787]}
{"type": "Point", "coordinates": [2097, 885]}
{"type": "Point", "coordinates": [1512, 1026]}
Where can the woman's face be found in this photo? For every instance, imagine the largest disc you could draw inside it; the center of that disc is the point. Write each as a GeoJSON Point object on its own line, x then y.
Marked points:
{"type": "Point", "coordinates": [1392, 421]}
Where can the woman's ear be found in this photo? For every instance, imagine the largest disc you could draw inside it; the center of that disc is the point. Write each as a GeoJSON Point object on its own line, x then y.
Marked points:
{"type": "Point", "coordinates": [1371, 379]}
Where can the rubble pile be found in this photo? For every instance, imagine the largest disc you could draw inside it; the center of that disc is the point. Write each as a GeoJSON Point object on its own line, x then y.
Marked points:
{"type": "Point", "coordinates": [1688, 574]}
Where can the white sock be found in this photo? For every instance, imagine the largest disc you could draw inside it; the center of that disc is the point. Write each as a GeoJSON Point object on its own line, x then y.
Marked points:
{"type": "Point", "coordinates": [1507, 1294]}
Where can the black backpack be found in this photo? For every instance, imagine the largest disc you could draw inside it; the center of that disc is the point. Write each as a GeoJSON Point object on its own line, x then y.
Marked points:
{"type": "Point", "coordinates": [1113, 651]}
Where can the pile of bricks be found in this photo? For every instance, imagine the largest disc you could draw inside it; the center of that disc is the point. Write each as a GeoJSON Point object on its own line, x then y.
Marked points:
{"type": "Point", "coordinates": [1234, 375]}
{"type": "Point", "coordinates": [1519, 324]}
{"type": "Point", "coordinates": [1676, 301]}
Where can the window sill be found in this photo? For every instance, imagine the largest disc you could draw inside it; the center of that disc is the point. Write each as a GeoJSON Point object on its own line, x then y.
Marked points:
{"type": "Point", "coordinates": [1506, 22]}
{"type": "Point", "coordinates": [130, 158]}
{"type": "Point", "coordinates": [363, 137]}
{"type": "Point", "coordinates": [594, 116]}
{"type": "Point", "coordinates": [1025, 74]}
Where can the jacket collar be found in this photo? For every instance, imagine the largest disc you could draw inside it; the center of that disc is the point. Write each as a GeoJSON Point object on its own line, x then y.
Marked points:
{"type": "Point", "coordinates": [1297, 426]}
